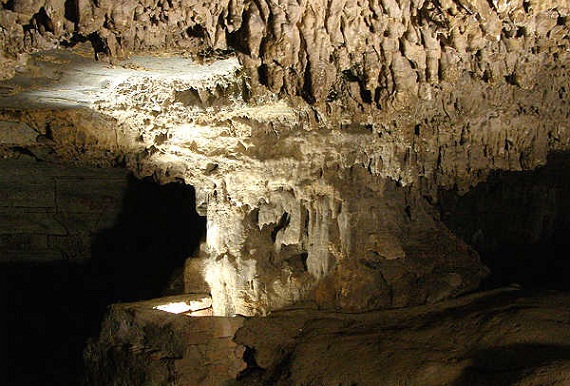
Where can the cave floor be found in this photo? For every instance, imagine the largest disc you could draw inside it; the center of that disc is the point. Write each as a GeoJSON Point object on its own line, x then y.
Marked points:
{"type": "Point", "coordinates": [507, 336]}
{"type": "Point", "coordinates": [501, 337]}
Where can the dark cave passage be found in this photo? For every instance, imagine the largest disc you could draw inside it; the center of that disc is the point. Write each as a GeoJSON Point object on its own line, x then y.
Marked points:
{"type": "Point", "coordinates": [54, 306]}
{"type": "Point", "coordinates": [156, 231]}
{"type": "Point", "coordinates": [519, 222]}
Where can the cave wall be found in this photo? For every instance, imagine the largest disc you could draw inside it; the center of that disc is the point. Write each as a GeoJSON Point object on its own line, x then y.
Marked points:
{"type": "Point", "coordinates": [518, 222]}
{"type": "Point", "coordinates": [453, 89]}
{"type": "Point", "coordinates": [319, 156]}
{"type": "Point", "coordinates": [371, 52]}
{"type": "Point", "coordinates": [52, 213]}
{"type": "Point", "coordinates": [50, 217]}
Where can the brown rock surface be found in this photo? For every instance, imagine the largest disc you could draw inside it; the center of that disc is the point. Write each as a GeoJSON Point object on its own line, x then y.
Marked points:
{"type": "Point", "coordinates": [318, 136]}
{"type": "Point", "coordinates": [497, 338]}
{"type": "Point", "coordinates": [504, 337]}
{"type": "Point", "coordinates": [295, 211]}
{"type": "Point", "coordinates": [142, 345]}
{"type": "Point", "coordinates": [298, 208]}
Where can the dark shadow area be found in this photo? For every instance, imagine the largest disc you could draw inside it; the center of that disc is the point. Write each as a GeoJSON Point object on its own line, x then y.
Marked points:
{"type": "Point", "coordinates": [49, 314]}
{"type": "Point", "coordinates": [52, 309]}
{"type": "Point", "coordinates": [497, 299]}
{"type": "Point", "coordinates": [509, 365]}
{"type": "Point", "coordinates": [152, 237]}
{"type": "Point", "coordinates": [519, 222]}
{"type": "Point", "coordinates": [71, 12]}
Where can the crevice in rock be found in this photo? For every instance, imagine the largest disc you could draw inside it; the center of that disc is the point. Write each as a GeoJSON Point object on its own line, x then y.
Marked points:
{"type": "Point", "coordinates": [252, 370]}
{"type": "Point", "coordinates": [71, 11]}
{"type": "Point", "coordinates": [196, 31]}
{"type": "Point", "coordinates": [262, 74]}
{"type": "Point", "coordinates": [100, 46]}
{"type": "Point", "coordinates": [282, 224]}
{"type": "Point", "coordinates": [42, 22]}
{"type": "Point", "coordinates": [8, 5]}
{"type": "Point", "coordinates": [308, 90]}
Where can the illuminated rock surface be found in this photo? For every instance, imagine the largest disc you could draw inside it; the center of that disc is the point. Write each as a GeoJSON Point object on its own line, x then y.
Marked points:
{"type": "Point", "coordinates": [290, 218]}
{"type": "Point", "coordinates": [318, 136]}
{"type": "Point", "coordinates": [147, 345]}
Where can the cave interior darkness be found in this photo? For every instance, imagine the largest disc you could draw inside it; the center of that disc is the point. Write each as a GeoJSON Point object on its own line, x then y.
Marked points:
{"type": "Point", "coordinates": [53, 308]}
{"type": "Point", "coordinates": [517, 221]}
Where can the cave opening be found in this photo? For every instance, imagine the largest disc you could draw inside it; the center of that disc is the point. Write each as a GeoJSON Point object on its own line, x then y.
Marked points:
{"type": "Point", "coordinates": [156, 232]}
{"type": "Point", "coordinates": [98, 237]}
{"type": "Point", "coordinates": [519, 223]}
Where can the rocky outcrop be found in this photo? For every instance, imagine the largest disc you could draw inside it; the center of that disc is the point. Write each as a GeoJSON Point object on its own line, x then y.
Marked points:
{"type": "Point", "coordinates": [366, 244]}
{"type": "Point", "coordinates": [502, 337]}
{"type": "Point", "coordinates": [144, 345]}
{"type": "Point", "coordinates": [290, 218]}
{"type": "Point", "coordinates": [493, 338]}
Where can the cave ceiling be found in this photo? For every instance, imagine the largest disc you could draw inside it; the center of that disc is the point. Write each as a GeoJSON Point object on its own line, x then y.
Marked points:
{"type": "Point", "coordinates": [316, 134]}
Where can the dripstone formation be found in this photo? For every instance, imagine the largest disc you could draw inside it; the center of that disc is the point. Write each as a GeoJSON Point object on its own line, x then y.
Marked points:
{"type": "Point", "coordinates": [319, 152]}
{"type": "Point", "coordinates": [317, 148]}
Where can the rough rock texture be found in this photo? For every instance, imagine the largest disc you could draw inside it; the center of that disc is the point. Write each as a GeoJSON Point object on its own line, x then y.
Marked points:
{"type": "Point", "coordinates": [318, 149]}
{"type": "Point", "coordinates": [374, 51]}
{"type": "Point", "coordinates": [53, 213]}
{"type": "Point", "coordinates": [290, 218]}
{"type": "Point", "coordinates": [142, 345]}
{"type": "Point", "coordinates": [318, 136]}
{"type": "Point", "coordinates": [505, 337]}
{"type": "Point", "coordinates": [497, 338]}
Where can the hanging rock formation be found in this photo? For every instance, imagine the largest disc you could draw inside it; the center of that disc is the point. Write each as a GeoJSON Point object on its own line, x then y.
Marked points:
{"type": "Point", "coordinates": [317, 135]}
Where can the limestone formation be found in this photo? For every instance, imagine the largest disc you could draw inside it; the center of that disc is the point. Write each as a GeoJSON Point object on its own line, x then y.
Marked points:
{"type": "Point", "coordinates": [291, 218]}
{"type": "Point", "coordinates": [318, 136]}
{"type": "Point", "coordinates": [142, 344]}
{"type": "Point", "coordinates": [315, 133]}
{"type": "Point", "coordinates": [373, 54]}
